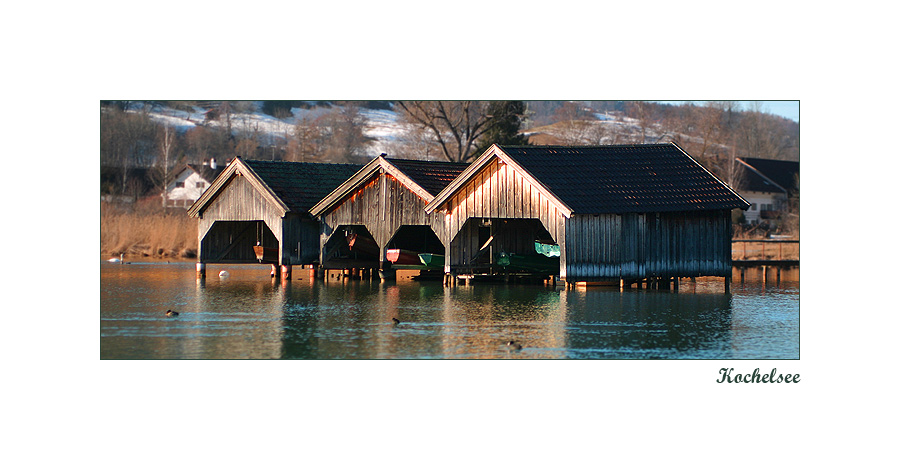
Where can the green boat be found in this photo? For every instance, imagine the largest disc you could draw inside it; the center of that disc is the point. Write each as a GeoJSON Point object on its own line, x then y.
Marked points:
{"type": "Point", "coordinates": [549, 250]}
{"type": "Point", "coordinates": [535, 263]}
{"type": "Point", "coordinates": [432, 260]}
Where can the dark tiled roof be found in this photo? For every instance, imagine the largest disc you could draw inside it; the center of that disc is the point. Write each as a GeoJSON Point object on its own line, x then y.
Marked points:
{"type": "Point", "coordinates": [625, 178]}
{"type": "Point", "coordinates": [780, 171]}
{"type": "Point", "coordinates": [301, 185]}
{"type": "Point", "coordinates": [433, 176]}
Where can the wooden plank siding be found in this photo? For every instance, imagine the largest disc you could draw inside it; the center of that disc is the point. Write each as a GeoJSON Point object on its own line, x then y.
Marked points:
{"type": "Point", "coordinates": [616, 211]}
{"type": "Point", "coordinates": [296, 236]}
{"type": "Point", "coordinates": [382, 204]}
{"type": "Point", "coordinates": [278, 194]}
{"type": "Point", "coordinates": [500, 193]}
{"type": "Point", "coordinates": [637, 246]}
{"type": "Point", "coordinates": [233, 241]}
{"type": "Point", "coordinates": [594, 247]}
{"type": "Point", "coordinates": [238, 201]}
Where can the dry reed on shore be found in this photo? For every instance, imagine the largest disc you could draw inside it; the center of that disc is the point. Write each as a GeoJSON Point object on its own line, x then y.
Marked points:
{"type": "Point", "coordinates": [155, 234]}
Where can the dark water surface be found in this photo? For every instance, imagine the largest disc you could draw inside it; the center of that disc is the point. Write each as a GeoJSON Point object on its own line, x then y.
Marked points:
{"type": "Point", "coordinates": [248, 315]}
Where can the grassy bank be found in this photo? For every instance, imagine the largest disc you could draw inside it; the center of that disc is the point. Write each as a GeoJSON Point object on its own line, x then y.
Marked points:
{"type": "Point", "coordinates": [145, 230]}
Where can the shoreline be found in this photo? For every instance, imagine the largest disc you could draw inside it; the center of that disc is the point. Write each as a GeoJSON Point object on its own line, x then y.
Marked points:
{"type": "Point", "coordinates": [104, 257]}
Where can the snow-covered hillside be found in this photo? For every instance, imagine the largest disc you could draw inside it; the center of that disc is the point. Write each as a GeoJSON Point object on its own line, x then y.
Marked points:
{"type": "Point", "coordinates": [381, 125]}
{"type": "Point", "coordinates": [387, 132]}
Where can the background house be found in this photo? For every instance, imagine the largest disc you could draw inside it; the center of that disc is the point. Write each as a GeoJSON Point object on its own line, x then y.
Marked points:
{"type": "Point", "coordinates": [769, 186]}
{"type": "Point", "coordinates": [189, 183]}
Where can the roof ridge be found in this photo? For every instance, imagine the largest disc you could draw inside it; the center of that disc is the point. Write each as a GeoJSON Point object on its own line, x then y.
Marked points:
{"type": "Point", "coordinates": [769, 159]}
{"type": "Point", "coordinates": [425, 161]}
{"type": "Point", "coordinates": [765, 177]}
{"type": "Point", "coordinates": [299, 162]}
{"type": "Point", "coordinates": [657, 144]}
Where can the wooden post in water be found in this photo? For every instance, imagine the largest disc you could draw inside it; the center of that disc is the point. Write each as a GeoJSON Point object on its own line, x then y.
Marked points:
{"type": "Point", "coordinates": [285, 272]}
{"type": "Point", "coordinates": [201, 270]}
{"type": "Point", "coordinates": [728, 283]}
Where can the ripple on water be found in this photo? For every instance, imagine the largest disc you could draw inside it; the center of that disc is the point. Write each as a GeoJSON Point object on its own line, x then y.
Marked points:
{"type": "Point", "coordinates": [250, 317]}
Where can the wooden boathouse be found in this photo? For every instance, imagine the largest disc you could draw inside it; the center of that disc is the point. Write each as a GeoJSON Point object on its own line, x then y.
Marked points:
{"type": "Point", "coordinates": [258, 212]}
{"type": "Point", "coordinates": [378, 215]}
{"type": "Point", "coordinates": [618, 213]}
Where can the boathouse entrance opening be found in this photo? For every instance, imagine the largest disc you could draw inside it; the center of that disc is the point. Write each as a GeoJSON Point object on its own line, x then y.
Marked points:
{"type": "Point", "coordinates": [511, 246]}
{"type": "Point", "coordinates": [229, 241]}
{"type": "Point", "coordinates": [411, 241]}
{"type": "Point", "coordinates": [351, 246]}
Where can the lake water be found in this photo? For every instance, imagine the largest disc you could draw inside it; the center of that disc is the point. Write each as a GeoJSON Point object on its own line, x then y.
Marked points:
{"type": "Point", "coordinates": [248, 315]}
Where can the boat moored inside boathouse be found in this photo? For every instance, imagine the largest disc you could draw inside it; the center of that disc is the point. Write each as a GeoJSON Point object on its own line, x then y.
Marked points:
{"type": "Point", "coordinates": [613, 213]}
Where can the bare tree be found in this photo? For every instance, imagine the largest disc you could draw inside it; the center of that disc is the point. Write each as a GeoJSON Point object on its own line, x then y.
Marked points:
{"type": "Point", "coordinates": [127, 140]}
{"type": "Point", "coordinates": [760, 135]}
{"type": "Point", "coordinates": [650, 126]}
{"type": "Point", "coordinates": [707, 129]}
{"type": "Point", "coordinates": [735, 174]}
{"type": "Point", "coordinates": [347, 138]}
{"type": "Point", "coordinates": [416, 144]}
{"type": "Point", "coordinates": [336, 136]}
{"type": "Point", "coordinates": [575, 126]}
{"type": "Point", "coordinates": [246, 147]}
{"type": "Point", "coordinates": [454, 125]}
{"type": "Point", "coordinates": [167, 142]}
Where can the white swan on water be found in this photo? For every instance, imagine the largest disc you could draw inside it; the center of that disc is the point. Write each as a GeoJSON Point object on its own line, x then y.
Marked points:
{"type": "Point", "coordinates": [117, 260]}
{"type": "Point", "coordinates": [224, 274]}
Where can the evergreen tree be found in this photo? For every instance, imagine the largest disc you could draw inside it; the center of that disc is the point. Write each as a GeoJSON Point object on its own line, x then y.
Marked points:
{"type": "Point", "coordinates": [505, 122]}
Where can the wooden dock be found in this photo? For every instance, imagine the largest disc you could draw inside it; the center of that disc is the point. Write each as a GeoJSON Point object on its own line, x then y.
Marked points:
{"type": "Point", "coordinates": [748, 252]}
{"type": "Point", "coordinates": [767, 255]}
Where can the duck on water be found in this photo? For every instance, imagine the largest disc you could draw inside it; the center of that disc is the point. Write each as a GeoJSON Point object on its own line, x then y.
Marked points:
{"type": "Point", "coordinates": [513, 345]}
